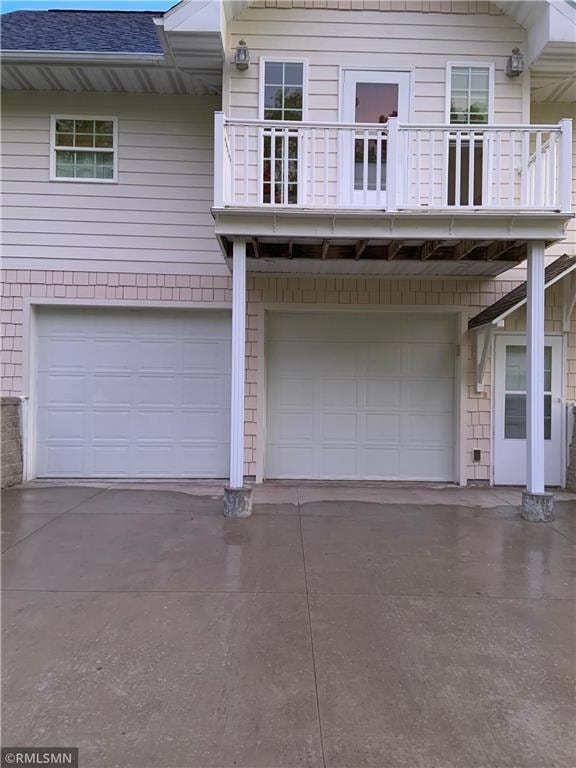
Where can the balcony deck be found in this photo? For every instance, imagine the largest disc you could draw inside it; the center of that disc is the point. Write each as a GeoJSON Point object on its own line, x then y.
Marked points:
{"type": "Point", "coordinates": [412, 198]}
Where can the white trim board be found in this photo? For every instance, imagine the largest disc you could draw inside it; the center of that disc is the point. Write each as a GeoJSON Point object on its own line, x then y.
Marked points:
{"type": "Point", "coordinates": [109, 265]}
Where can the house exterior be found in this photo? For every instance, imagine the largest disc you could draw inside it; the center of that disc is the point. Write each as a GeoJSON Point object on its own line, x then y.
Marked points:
{"type": "Point", "coordinates": [292, 239]}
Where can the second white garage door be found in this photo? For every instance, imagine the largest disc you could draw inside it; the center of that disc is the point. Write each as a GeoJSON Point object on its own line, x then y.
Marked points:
{"type": "Point", "coordinates": [132, 393]}
{"type": "Point", "coordinates": [360, 396]}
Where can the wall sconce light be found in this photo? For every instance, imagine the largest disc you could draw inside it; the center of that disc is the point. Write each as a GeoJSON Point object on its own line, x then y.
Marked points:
{"type": "Point", "coordinates": [515, 63]}
{"type": "Point", "coordinates": [242, 56]}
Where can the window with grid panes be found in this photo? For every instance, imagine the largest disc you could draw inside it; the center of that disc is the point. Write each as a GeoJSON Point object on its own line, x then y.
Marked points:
{"type": "Point", "coordinates": [84, 148]}
{"type": "Point", "coordinates": [469, 104]}
{"type": "Point", "coordinates": [284, 101]}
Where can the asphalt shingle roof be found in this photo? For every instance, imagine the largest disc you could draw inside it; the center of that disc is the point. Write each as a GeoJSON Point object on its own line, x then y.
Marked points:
{"type": "Point", "coordinates": [518, 294]}
{"type": "Point", "coordinates": [97, 31]}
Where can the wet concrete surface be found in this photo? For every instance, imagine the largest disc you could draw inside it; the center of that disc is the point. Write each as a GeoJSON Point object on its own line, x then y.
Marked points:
{"type": "Point", "coordinates": [143, 627]}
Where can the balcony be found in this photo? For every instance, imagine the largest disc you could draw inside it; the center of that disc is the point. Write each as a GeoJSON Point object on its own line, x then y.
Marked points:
{"type": "Point", "coordinates": [394, 191]}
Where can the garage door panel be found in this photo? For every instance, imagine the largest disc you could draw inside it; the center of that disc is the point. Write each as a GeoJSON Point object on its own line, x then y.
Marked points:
{"type": "Point", "coordinates": [208, 461]}
{"type": "Point", "coordinates": [157, 390]}
{"type": "Point", "coordinates": [111, 355]}
{"type": "Point", "coordinates": [153, 460]}
{"type": "Point", "coordinates": [383, 427]}
{"type": "Point", "coordinates": [292, 392]}
{"type": "Point", "coordinates": [61, 389]}
{"type": "Point", "coordinates": [338, 393]}
{"type": "Point", "coordinates": [340, 427]}
{"type": "Point", "coordinates": [290, 426]}
{"type": "Point", "coordinates": [109, 424]}
{"type": "Point", "coordinates": [290, 461]}
{"type": "Point", "coordinates": [64, 354]}
{"type": "Point", "coordinates": [430, 360]}
{"type": "Point", "coordinates": [383, 394]}
{"type": "Point", "coordinates": [109, 389]}
{"type": "Point", "coordinates": [338, 463]}
{"type": "Point", "coordinates": [335, 360]}
{"type": "Point", "coordinates": [204, 356]}
{"type": "Point", "coordinates": [425, 464]}
{"type": "Point", "coordinates": [383, 359]}
{"type": "Point", "coordinates": [205, 391]}
{"type": "Point", "coordinates": [57, 424]}
{"type": "Point", "coordinates": [430, 428]}
{"type": "Point", "coordinates": [437, 394]}
{"type": "Point", "coordinates": [133, 393]}
{"type": "Point", "coordinates": [369, 389]}
{"type": "Point", "coordinates": [153, 425]}
{"type": "Point", "coordinates": [377, 462]}
{"type": "Point", "coordinates": [157, 355]}
{"type": "Point", "coordinates": [64, 460]}
{"type": "Point", "coordinates": [198, 426]}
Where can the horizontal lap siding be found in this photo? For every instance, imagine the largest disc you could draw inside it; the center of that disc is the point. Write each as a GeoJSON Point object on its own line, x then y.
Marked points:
{"type": "Point", "coordinates": [159, 211]}
{"type": "Point", "coordinates": [331, 39]}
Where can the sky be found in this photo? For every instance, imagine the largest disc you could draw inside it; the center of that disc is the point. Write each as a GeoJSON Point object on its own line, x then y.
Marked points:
{"type": "Point", "coordinates": [87, 5]}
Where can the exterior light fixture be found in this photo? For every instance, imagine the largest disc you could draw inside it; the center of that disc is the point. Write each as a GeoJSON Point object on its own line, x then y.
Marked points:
{"type": "Point", "coordinates": [515, 63]}
{"type": "Point", "coordinates": [242, 56]}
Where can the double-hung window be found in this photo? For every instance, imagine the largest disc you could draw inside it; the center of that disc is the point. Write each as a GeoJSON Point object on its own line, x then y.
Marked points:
{"type": "Point", "coordinates": [84, 149]}
{"type": "Point", "coordinates": [470, 93]}
{"type": "Point", "coordinates": [282, 99]}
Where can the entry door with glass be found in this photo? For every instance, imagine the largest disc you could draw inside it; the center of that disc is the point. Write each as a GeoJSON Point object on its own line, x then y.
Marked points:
{"type": "Point", "coordinates": [510, 411]}
{"type": "Point", "coordinates": [370, 98]}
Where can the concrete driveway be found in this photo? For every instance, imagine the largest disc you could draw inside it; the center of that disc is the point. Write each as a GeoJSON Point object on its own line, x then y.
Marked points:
{"type": "Point", "coordinates": [435, 630]}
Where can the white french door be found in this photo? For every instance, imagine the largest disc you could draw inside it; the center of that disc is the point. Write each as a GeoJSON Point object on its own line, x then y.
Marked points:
{"type": "Point", "coordinates": [370, 97]}
{"type": "Point", "coordinates": [510, 410]}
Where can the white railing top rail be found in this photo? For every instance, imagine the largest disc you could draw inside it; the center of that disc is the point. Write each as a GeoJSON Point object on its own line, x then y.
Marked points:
{"type": "Point", "coordinates": [245, 121]}
{"type": "Point", "coordinates": [303, 124]}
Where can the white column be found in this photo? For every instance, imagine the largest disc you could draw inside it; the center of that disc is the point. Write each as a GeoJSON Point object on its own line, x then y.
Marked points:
{"type": "Point", "coordinates": [238, 363]}
{"type": "Point", "coordinates": [535, 369]}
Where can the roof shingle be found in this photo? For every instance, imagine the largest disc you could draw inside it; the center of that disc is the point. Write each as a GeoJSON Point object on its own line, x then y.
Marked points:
{"type": "Point", "coordinates": [80, 31]}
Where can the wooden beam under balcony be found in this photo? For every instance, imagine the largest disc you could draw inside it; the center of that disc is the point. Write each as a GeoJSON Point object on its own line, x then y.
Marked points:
{"type": "Point", "coordinates": [359, 248]}
{"type": "Point", "coordinates": [495, 251]}
{"type": "Point", "coordinates": [429, 248]}
{"type": "Point", "coordinates": [255, 247]}
{"type": "Point", "coordinates": [463, 249]}
{"type": "Point", "coordinates": [325, 247]}
{"type": "Point", "coordinates": [394, 248]}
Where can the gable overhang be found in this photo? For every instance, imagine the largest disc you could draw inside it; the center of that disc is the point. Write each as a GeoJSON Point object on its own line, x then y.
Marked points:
{"type": "Point", "coordinates": [551, 36]}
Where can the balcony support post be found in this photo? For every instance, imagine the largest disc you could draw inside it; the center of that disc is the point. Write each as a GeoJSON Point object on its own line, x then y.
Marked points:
{"type": "Point", "coordinates": [392, 161]}
{"type": "Point", "coordinates": [537, 506]}
{"type": "Point", "coordinates": [237, 497]}
{"type": "Point", "coordinates": [565, 167]}
{"type": "Point", "coordinates": [218, 159]}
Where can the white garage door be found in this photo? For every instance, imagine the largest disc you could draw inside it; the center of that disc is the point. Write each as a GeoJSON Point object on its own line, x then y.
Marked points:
{"type": "Point", "coordinates": [367, 396]}
{"type": "Point", "coordinates": [132, 393]}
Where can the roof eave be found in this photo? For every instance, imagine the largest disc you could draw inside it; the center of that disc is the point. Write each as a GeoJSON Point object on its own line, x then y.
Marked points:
{"type": "Point", "coordinates": [19, 56]}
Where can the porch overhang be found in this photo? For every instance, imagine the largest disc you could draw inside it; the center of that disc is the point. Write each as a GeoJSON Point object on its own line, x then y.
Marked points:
{"type": "Point", "coordinates": [473, 243]}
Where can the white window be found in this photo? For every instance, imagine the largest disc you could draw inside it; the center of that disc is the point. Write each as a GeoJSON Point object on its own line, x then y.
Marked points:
{"type": "Point", "coordinates": [470, 93]}
{"type": "Point", "coordinates": [282, 97]}
{"type": "Point", "coordinates": [283, 90]}
{"type": "Point", "coordinates": [83, 149]}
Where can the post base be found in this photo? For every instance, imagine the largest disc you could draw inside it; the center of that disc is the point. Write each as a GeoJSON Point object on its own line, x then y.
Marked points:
{"type": "Point", "coordinates": [537, 507]}
{"type": "Point", "coordinates": [237, 502]}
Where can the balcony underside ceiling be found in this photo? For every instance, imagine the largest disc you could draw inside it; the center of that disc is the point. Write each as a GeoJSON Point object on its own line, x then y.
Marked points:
{"type": "Point", "coordinates": [381, 257]}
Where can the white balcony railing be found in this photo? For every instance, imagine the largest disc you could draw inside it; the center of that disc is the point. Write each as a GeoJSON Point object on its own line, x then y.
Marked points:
{"type": "Point", "coordinates": [392, 167]}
